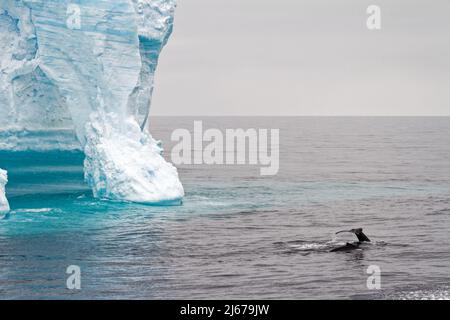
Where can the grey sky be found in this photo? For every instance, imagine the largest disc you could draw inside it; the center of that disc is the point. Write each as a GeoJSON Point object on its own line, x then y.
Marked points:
{"type": "Point", "coordinates": [305, 57]}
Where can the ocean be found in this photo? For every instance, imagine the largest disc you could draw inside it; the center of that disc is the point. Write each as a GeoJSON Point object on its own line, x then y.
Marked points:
{"type": "Point", "coordinates": [240, 235]}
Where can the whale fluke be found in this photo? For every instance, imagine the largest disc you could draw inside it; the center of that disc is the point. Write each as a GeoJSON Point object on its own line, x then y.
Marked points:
{"type": "Point", "coordinates": [359, 234]}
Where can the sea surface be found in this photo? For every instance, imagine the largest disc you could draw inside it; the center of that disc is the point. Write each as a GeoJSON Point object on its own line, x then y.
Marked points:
{"type": "Point", "coordinates": [239, 234]}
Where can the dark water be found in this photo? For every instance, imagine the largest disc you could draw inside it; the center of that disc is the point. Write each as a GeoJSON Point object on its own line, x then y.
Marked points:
{"type": "Point", "coordinates": [238, 234]}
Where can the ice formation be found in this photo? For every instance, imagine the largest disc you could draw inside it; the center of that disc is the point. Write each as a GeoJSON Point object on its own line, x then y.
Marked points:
{"type": "Point", "coordinates": [4, 205]}
{"type": "Point", "coordinates": [86, 67]}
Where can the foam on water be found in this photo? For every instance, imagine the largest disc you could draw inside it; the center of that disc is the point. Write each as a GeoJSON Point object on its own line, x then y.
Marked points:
{"type": "Point", "coordinates": [437, 294]}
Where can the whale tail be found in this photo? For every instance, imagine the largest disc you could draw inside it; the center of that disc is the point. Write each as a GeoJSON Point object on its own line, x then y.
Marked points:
{"type": "Point", "coordinates": [359, 234]}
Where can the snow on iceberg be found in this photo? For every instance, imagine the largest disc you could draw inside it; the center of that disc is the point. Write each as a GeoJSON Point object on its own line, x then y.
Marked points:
{"type": "Point", "coordinates": [4, 205]}
{"type": "Point", "coordinates": [87, 67]}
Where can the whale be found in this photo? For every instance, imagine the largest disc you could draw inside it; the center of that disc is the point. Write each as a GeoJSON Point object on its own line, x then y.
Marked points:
{"type": "Point", "coordinates": [358, 232]}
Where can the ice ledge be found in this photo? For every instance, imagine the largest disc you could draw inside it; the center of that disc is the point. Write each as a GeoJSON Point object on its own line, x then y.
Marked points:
{"type": "Point", "coordinates": [20, 139]}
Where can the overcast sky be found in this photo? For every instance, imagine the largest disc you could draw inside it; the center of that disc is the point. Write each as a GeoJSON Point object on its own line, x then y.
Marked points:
{"type": "Point", "coordinates": [305, 57]}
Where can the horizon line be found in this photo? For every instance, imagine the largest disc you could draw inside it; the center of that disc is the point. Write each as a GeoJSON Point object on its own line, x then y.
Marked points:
{"type": "Point", "coordinates": [305, 116]}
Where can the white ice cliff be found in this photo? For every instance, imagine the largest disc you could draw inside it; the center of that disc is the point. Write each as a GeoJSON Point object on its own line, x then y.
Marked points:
{"type": "Point", "coordinates": [87, 66]}
{"type": "Point", "coordinates": [4, 205]}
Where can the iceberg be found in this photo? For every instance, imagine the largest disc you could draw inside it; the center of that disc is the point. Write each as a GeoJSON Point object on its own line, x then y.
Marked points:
{"type": "Point", "coordinates": [4, 205]}
{"type": "Point", "coordinates": [79, 75]}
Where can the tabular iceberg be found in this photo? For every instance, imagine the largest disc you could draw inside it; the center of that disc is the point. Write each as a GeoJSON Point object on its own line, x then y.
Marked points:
{"type": "Point", "coordinates": [87, 67]}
